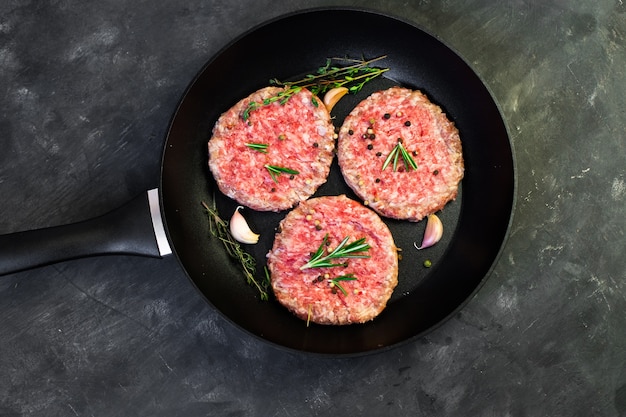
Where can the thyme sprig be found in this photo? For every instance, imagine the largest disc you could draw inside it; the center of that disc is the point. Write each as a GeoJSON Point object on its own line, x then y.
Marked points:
{"type": "Point", "coordinates": [352, 76]}
{"type": "Point", "coordinates": [260, 147]}
{"type": "Point", "coordinates": [334, 282]}
{"type": "Point", "coordinates": [218, 228]}
{"type": "Point", "coordinates": [275, 171]}
{"type": "Point", "coordinates": [323, 259]}
{"type": "Point", "coordinates": [394, 155]}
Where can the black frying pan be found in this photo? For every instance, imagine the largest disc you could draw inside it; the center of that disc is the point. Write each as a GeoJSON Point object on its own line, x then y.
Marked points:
{"type": "Point", "coordinates": [476, 223]}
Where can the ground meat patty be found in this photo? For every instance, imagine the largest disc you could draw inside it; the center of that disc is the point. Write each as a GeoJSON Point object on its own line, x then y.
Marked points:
{"type": "Point", "coordinates": [296, 135]}
{"type": "Point", "coordinates": [310, 293]}
{"type": "Point", "coordinates": [372, 131]}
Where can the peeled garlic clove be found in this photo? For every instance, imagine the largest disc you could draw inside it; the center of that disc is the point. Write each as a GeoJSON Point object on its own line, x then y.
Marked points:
{"type": "Point", "coordinates": [333, 95]}
{"type": "Point", "coordinates": [433, 232]}
{"type": "Point", "coordinates": [240, 230]}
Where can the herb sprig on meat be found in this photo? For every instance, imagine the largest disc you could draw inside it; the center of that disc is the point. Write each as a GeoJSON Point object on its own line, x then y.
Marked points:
{"type": "Point", "coordinates": [353, 76]}
{"type": "Point", "coordinates": [394, 155]}
{"type": "Point", "coordinates": [323, 259]}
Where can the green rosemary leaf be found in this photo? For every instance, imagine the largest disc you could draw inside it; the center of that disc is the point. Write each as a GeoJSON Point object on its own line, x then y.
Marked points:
{"type": "Point", "coordinates": [394, 156]}
{"type": "Point", "coordinates": [409, 162]}
{"type": "Point", "coordinates": [343, 250]}
{"type": "Point", "coordinates": [260, 147]}
{"type": "Point", "coordinates": [336, 282]}
{"type": "Point", "coordinates": [275, 171]}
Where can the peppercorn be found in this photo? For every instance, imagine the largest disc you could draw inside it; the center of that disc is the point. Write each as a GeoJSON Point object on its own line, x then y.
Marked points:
{"type": "Point", "coordinates": [370, 146]}
{"type": "Point", "coordinates": [407, 123]}
{"type": "Point", "coordinates": [386, 115]}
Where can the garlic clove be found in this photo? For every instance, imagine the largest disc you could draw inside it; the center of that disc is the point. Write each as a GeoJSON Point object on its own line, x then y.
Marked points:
{"type": "Point", "coordinates": [333, 95]}
{"type": "Point", "coordinates": [433, 232]}
{"type": "Point", "coordinates": [240, 230]}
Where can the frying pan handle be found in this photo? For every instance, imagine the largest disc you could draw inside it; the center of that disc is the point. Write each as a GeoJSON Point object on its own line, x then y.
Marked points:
{"type": "Point", "coordinates": [133, 229]}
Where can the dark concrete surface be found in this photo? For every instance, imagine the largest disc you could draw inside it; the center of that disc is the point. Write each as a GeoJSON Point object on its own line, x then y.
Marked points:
{"type": "Point", "coordinates": [87, 89]}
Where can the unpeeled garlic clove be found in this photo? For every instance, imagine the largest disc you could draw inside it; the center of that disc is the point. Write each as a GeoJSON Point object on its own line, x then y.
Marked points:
{"type": "Point", "coordinates": [333, 95]}
{"type": "Point", "coordinates": [240, 230]}
{"type": "Point", "coordinates": [433, 232]}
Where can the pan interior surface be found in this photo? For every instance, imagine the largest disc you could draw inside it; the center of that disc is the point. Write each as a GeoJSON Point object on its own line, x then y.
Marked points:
{"type": "Point", "coordinates": [287, 47]}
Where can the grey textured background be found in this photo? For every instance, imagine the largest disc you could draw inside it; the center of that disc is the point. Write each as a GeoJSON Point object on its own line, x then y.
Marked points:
{"type": "Point", "coordinates": [87, 89]}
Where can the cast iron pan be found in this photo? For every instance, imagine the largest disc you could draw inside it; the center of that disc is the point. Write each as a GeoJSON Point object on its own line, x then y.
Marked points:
{"type": "Point", "coordinates": [475, 224]}
{"type": "Point", "coordinates": [285, 48]}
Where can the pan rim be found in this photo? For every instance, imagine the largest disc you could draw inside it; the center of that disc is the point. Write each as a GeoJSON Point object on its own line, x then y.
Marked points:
{"type": "Point", "coordinates": [514, 191]}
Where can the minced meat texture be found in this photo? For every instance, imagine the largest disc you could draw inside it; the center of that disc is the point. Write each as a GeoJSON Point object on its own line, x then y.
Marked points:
{"type": "Point", "coordinates": [297, 136]}
{"type": "Point", "coordinates": [371, 132]}
{"type": "Point", "coordinates": [310, 293]}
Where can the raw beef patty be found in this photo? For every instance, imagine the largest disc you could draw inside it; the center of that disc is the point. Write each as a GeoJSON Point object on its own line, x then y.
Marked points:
{"type": "Point", "coordinates": [372, 131]}
{"type": "Point", "coordinates": [311, 293]}
{"type": "Point", "coordinates": [275, 157]}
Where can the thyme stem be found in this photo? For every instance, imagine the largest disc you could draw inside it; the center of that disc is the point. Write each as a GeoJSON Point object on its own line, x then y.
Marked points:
{"type": "Point", "coordinates": [353, 76]}
{"type": "Point", "coordinates": [218, 228]}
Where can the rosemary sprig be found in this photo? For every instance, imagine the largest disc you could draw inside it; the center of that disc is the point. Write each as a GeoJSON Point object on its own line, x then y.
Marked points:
{"type": "Point", "coordinates": [394, 155]}
{"type": "Point", "coordinates": [219, 229]}
{"type": "Point", "coordinates": [353, 76]}
{"type": "Point", "coordinates": [275, 171]}
{"type": "Point", "coordinates": [344, 250]}
{"type": "Point", "coordinates": [334, 282]}
{"type": "Point", "coordinates": [260, 147]}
